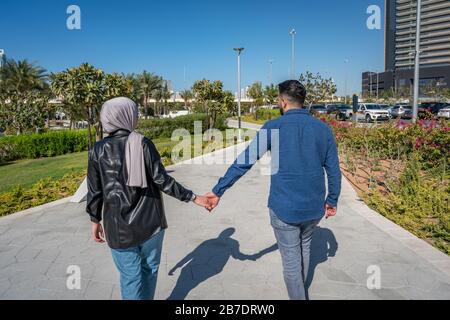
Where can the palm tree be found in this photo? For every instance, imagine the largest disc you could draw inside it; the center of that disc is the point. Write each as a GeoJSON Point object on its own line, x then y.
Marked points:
{"type": "Point", "coordinates": [187, 96]}
{"type": "Point", "coordinates": [25, 86]}
{"type": "Point", "coordinates": [148, 84]}
{"type": "Point", "coordinates": [165, 95]}
{"type": "Point", "coordinates": [22, 76]}
{"type": "Point", "coordinates": [256, 93]}
{"type": "Point", "coordinates": [271, 94]}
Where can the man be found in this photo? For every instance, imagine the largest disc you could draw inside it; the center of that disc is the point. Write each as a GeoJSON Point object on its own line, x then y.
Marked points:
{"type": "Point", "coordinates": [297, 199]}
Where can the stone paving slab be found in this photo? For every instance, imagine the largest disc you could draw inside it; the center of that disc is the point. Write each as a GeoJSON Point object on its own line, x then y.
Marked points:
{"type": "Point", "coordinates": [212, 250]}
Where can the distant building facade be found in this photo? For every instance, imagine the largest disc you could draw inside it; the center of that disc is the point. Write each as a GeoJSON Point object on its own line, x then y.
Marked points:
{"type": "Point", "coordinates": [400, 42]}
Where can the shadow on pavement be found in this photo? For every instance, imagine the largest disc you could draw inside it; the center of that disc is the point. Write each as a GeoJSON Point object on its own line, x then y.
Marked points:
{"type": "Point", "coordinates": [323, 245]}
{"type": "Point", "coordinates": [208, 260]}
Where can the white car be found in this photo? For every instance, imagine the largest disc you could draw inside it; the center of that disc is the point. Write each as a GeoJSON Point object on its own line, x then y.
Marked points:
{"type": "Point", "coordinates": [444, 113]}
{"type": "Point", "coordinates": [175, 114]}
{"type": "Point", "coordinates": [369, 112]}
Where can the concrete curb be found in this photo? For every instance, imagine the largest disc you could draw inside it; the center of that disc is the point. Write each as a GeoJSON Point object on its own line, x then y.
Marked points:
{"type": "Point", "coordinates": [35, 209]}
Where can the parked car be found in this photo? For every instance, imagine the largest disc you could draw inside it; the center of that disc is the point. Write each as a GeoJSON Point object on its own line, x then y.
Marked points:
{"type": "Point", "coordinates": [444, 112]}
{"type": "Point", "coordinates": [175, 114]}
{"type": "Point", "coordinates": [340, 111]}
{"type": "Point", "coordinates": [438, 106]}
{"type": "Point", "coordinates": [318, 109]}
{"type": "Point", "coordinates": [369, 112]}
{"type": "Point", "coordinates": [428, 109]}
{"type": "Point", "coordinates": [401, 111]}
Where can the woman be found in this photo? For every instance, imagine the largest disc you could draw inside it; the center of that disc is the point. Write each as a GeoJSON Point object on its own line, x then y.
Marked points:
{"type": "Point", "coordinates": [125, 181]}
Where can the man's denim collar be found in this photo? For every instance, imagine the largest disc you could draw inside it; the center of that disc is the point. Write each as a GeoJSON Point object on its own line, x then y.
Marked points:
{"type": "Point", "coordinates": [297, 111]}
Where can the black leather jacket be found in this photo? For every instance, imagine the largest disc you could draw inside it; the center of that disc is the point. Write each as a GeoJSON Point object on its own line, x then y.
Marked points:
{"type": "Point", "coordinates": [130, 216]}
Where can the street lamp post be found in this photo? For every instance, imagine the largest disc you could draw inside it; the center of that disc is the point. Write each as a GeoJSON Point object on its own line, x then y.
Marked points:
{"type": "Point", "coordinates": [417, 64]}
{"type": "Point", "coordinates": [378, 81]}
{"type": "Point", "coordinates": [2, 54]}
{"type": "Point", "coordinates": [270, 71]}
{"type": "Point", "coordinates": [346, 61]}
{"type": "Point", "coordinates": [293, 33]}
{"type": "Point", "coordinates": [239, 50]}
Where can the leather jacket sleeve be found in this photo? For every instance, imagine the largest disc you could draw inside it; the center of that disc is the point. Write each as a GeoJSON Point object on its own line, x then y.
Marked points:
{"type": "Point", "coordinates": [159, 175]}
{"type": "Point", "coordinates": [94, 204]}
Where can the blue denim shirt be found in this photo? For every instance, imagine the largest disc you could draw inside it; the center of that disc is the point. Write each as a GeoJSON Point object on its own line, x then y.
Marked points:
{"type": "Point", "coordinates": [305, 147]}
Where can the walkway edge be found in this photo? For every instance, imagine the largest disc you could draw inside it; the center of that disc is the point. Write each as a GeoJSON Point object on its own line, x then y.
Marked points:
{"type": "Point", "coordinates": [33, 210]}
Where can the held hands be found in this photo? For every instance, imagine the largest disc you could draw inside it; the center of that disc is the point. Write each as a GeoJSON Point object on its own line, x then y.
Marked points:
{"type": "Point", "coordinates": [208, 201]}
{"type": "Point", "coordinates": [330, 211]}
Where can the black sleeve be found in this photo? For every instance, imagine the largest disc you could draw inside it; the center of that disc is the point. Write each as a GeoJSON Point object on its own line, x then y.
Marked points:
{"type": "Point", "coordinates": [159, 175]}
{"type": "Point", "coordinates": [94, 204]}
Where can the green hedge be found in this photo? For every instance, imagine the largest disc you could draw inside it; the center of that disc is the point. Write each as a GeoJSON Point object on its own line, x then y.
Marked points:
{"type": "Point", "coordinates": [267, 114]}
{"type": "Point", "coordinates": [49, 144]}
{"type": "Point", "coordinates": [55, 143]}
{"type": "Point", "coordinates": [163, 128]}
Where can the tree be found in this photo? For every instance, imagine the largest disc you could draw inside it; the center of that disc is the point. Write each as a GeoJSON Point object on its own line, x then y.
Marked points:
{"type": "Point", "coordinates": [229, 104]}
{"type": "Point", "coordinates": [210, 97]}
{"type": "Point", "coordinates": [85, 89]}
{"type": "Point", "coordinates": [318, 89]}
{"type": "Point", "coordinates": [148, 86]}
{"type": "Point", "coordinates": [24, 96]}
{"type": "Point", "coordinates": [24, 111]}
{"type": "Point", "coordinates": [22, 76]}
{"type": "Point", "coordinates": [187, 96]}
{"type": "Point", "coordinates": [256, 93]}
{"type": "Point", "coordinates": [270, 94]}
{"type": "Point", "coordinates": [165, 95]}
{"type": "Point", "coordinates": [59, 81]}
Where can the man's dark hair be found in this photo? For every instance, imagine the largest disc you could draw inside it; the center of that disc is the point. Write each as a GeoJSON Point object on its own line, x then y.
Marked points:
{"type": "Point", "coordinates": [293, 91]}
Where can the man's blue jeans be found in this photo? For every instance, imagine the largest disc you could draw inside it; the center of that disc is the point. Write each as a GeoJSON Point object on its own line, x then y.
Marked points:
{"type": "Point", "coordinates": [138, 267]}
{"type": "Point", "coordinates": [294, 243]}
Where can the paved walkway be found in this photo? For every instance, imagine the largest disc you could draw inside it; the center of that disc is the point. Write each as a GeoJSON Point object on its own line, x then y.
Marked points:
{"type": "Point", "coordinates": [212, 251]}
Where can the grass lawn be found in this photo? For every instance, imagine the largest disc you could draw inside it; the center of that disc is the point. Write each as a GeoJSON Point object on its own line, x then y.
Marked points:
{"type": "Point", "coordinates": [251, 119]}
{"type": "Point", "coordinates": [28, 172]}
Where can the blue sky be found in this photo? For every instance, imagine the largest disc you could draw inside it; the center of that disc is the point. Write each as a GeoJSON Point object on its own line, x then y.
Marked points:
{"type": "Point", "coordinates": [169, 37]}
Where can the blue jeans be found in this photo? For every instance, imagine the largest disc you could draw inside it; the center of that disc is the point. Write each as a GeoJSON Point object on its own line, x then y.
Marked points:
{"type": "Point", "coordinates": [138, 267]}
{"type": "Point", "coordinates": [294, 243]}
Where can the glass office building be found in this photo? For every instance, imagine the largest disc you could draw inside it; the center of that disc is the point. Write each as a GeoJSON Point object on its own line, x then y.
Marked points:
{"type": "Point", "coordinates": [400, 42]}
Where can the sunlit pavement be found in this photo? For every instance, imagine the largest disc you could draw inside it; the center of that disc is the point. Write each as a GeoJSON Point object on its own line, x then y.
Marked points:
{"type": "Point", "coordinates": [214, 252]}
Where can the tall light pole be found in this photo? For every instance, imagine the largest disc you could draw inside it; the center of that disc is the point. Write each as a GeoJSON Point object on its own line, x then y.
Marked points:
{"type": "Point", "coordinates": [346, 62]}
{"type": "Point", "coordinates": [378, 81]}
{"type": "Point", "coordinates": [270, 71]}
{"type": "Point", "coordinates": [239, 50]}
{"type": "Point", "coordinates": [293, 33]}
{"type": "Point", "coordinates": [417, 64]}
{"type": "Point", "coordinates": [2, 54]}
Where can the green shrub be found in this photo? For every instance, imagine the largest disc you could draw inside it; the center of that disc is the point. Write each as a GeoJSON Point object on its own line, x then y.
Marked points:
{"type": "Point", "coordinates": [56, 143]}
{"type": "Point", "coordinates": [267, 114]}
{"type": "Point", "coordinates": [163, 128]}
{"type": "Point", "coordinates": [38, 145]}
{"type": "Point", "coordinates": [419, 203]}
{"type": "Point", "coordinates": [42, 192]}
